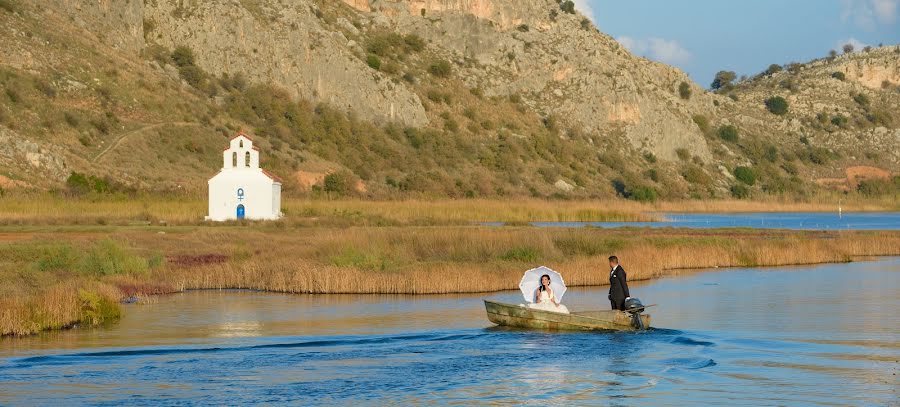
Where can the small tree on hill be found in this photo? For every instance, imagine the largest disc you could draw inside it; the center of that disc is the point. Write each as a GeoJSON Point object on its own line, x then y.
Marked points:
{"type": "Point", "coordinates": [728, 133]}
{"type": "Point", "coordinates": [848, 48]}
{"type": "Point", "coordinates": [373, 61]}
{"type": "Point", "coordinates": [567, 6]}
{"type": "Point", "coordinates": [684, 90]}
{"type": "Point", "coordinates": [832, 54]}
{"type": "Point", "coordinates": [745, 174]}
{"type": "Point", "coordinates": [777, 105]}
{"type": "Point", "coordinates": [723, 80]}
{"type": "Point", "coordinates": [440, 69]}
{"type": "Point", "coordinates": [838, 75]}
{"type": "Point", "coordinates": [773, 69]}
{"type": "Point", "coordinates": [342, 183]}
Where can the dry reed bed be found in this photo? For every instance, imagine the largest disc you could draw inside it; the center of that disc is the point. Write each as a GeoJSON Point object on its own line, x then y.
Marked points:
{"type": "Point", "coordinates": [420, 260]}
{"type": "Point", "coordinates": [454, 261]}
{"type": "Point", "coordinates": [45, 209]}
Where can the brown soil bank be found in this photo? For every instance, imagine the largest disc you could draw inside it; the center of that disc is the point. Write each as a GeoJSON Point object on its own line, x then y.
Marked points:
{"type": "Point", "coordinates": [56, 279]}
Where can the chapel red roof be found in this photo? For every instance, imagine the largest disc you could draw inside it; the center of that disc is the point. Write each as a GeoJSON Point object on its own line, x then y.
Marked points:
{"type": "Point", "coordinates": [242, 133]}
{"type": "Point", "coordinates": [271, 176]}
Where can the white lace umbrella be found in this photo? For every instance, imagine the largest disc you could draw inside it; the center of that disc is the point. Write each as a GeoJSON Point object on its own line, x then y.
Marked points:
{"type": "Point", "coordinates": [532, 279]}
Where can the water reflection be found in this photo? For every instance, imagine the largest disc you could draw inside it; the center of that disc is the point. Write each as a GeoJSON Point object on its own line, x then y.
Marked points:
{"type": "Point", "coordinates": [756, 220]}
{"type": "Point", "coordinates": [740, 337]}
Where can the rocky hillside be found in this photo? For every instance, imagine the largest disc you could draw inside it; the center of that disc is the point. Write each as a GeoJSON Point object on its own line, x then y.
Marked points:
{"type": "Point", "coordinates": [436, 97]}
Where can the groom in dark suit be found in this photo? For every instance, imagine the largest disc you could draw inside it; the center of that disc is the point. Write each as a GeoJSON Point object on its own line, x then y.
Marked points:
{"type": "Point", "coordinates": [618, 287]}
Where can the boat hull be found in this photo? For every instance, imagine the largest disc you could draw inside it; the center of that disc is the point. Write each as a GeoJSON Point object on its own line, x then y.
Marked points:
{"type": "Point", "coordinates": [524, 317]}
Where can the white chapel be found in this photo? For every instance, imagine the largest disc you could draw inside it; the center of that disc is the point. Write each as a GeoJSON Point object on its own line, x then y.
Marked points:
{"type": "Point", "coordinates": [242, 190]}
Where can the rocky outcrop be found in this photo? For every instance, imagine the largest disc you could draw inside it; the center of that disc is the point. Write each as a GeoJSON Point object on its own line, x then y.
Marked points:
{"type": "Point", "coordinates": [31, 157]}
{"type": "Point", "coordinates": [285, 43]}
{"type": "Point", "coordinates": [560, 65]}
{"type": "Point", "coordinates": [118, 23]}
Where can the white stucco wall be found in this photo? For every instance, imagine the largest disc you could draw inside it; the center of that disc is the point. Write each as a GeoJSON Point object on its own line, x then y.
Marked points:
{"type": "Point", "coordinates": [243, 185]}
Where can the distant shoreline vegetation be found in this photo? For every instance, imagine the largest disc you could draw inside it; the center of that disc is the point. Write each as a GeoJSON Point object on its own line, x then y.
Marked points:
{"type": "Point", "coordinates": [85, 207]}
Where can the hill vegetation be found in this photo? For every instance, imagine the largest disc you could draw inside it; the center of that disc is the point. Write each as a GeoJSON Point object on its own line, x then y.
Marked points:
{"type": "Point", "coordinates": [86, 115]}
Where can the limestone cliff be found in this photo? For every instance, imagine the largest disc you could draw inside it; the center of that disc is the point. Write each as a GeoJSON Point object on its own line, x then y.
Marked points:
{"type": "Point", "coordinates": [282, 42]}
{"type": "Point", "coordinates": [559, 64]}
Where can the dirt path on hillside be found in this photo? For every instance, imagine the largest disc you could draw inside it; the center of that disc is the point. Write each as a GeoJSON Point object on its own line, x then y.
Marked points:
{"type": "Point", "coordinates": [125, 135]}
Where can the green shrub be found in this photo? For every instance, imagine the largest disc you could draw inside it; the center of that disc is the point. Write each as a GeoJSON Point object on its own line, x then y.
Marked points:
{"type": "Point", "coordinates": [702, 123]}
{"type": "Point", "coordinates": [746, 175]}
{"type": "Point", "coordinates": [880, 118]}
{"type": "Point", "coordinates": [414, 42]}
{"type": "Point", "coordinates": [740, 191]}
{"type": "Point", "coordinates": [777, 105]}
{"type": "Point", "coordinates": [107, 258]}
{"type": "Point", "coordinates": [861, 99]}
{"type": "Point", "coordinates": [96, 309]}
{"type": "Point", "coordinates": [635, 191]}
{"type": "Point", "coordinates": [683, 154]}
{"type": "Point", "coordinates": [879, 187]}
{"type": "Point", "coordinates": [838, 75]}
{"type": "Point", "coordinates": [695, 175]}
{"type": "Point", "coordinates": [650, 157]}
{"type": "Point", "coordinates": [522, 254]}
{"type": "Point", "coordinates": [728, 133]}
{"type": "Point", "coordinates": [582, 245]}
{"type": "Point", "coordinates": [723, 80]}
{"type": "Point", "coordinates": [643, 193]}
{"type": "Point", "coordinates": [585, 24]}
{"type": "Point", "coordinates": [71, 119]}
{"type": "Point", "coordinates": [373, 61]}
{"type": "Point", "coordinates": [193, 75]}
{"type": "Point", "coordinates": [8, 6]}
{"type": "Point", "coordinates": [363, 260]}
{"type": "Point", "coordinates": [342, 183]}
{"type": "Point", "coordinates": [773, 69]}
{"type": "Point", "coordinates": [13, 95]}
{"type": "Point", "coordinates": [45, 87]}
{"type": "Point", "coordinates": [57, 258]}
{"type": "Point", "coordinates": [818, 155]}
{"type": "Point", "coordinates": [839, 120]}
{"type": "Point", "coordinates": [441, 69]}
{"type": "Point", "coordinates": [567, 6]}
{"type": "Point", "coordinates": [183, 56]}
{"type": "Point", "coordinates": [684, 90]}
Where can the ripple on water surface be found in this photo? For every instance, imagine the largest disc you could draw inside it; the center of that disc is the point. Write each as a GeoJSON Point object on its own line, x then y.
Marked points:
{"type": "Point", "coordinates": [723, 338]}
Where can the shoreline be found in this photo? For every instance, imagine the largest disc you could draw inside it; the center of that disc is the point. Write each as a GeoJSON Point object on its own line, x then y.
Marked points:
{"type": "Point", "coordinates": [51, 280]}
{"type": "Point", "coordinates": [670, 273]}
{"type": "Point", "coordinates": [37, 210]}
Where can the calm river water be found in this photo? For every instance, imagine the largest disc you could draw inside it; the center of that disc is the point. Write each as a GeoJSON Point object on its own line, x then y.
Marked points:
{"type": "Point", "coordinates": [819, 335]}
{"type": "Point", "coordinates": [756, 220]}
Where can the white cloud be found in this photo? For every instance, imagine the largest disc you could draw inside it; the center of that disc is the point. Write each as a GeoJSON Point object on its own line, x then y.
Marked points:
{"type": "Point", "coordinates": [885, 10]}
{"type": "Point", "coordinates": [857, 44]}
{"type": "Point", "coordinates": [584, 6]}
{"type": "Point", "coordinates": [658, 49]}
{"type": "Point", "coordinates": [867, 14]}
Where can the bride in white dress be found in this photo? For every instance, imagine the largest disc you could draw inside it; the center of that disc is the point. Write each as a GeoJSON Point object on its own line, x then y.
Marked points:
{"type": "Point", "coordinates": [545, 300]}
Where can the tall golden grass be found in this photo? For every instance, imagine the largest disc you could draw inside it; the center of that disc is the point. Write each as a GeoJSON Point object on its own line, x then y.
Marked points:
{"type": "Point", "coordinates": [408, 260]}
{"type": "Point", "coordinates": [48, 209]}
{"type": "Point", "coordinates": [446, 262]}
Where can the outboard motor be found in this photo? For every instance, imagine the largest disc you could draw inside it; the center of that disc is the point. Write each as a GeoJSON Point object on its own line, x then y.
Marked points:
{"type": "Point", "coordinates": [634, 307]}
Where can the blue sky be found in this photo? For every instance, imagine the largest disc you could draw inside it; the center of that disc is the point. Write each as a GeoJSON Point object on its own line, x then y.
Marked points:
{"type": "Point", "coordinates": [705, 36]}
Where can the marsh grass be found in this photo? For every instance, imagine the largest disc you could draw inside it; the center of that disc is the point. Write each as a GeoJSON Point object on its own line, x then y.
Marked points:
{"type": "Point", "coordinates": [44, 209]}
{"type": "Point", "coordinates": [58, 278]}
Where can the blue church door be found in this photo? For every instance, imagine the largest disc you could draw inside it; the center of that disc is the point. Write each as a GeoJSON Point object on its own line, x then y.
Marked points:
{"type": "Point", "coordinates": [240, 211]}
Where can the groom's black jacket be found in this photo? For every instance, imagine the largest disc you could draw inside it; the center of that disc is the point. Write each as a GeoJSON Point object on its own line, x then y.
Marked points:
{"type": "Point", "coordinates": [618, 288]}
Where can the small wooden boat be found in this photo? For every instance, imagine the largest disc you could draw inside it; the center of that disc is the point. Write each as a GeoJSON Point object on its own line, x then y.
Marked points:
{"type": "Point", "coordinates": [524, 317]}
